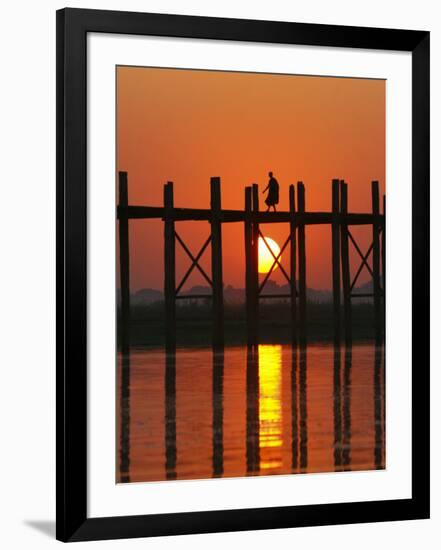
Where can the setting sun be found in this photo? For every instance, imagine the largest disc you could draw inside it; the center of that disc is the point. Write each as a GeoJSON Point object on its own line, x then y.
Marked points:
{"type": "Point", "coordinates": [266, 259]}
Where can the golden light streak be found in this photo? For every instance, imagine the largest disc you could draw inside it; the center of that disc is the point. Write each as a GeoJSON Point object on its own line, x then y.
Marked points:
{"type": "Point", "coordinates": [270, 406]}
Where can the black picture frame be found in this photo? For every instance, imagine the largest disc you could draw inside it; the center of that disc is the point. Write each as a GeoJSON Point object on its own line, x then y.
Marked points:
{"type": "Point", "coordinates": [71, 428]}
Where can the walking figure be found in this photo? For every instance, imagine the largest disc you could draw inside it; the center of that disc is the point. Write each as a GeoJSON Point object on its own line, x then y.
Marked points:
{"type": "Point", "coordinates": [273, 192]}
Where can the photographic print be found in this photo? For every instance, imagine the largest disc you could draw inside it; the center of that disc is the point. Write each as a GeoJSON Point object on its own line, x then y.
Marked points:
{"type": "Point", "coordinates": [222, 293]}
{"type": "Point", "coordinates": [250, 274]}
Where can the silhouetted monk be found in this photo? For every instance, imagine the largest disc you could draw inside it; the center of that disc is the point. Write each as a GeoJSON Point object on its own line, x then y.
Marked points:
{"type": "Point", "coordinates": [273, 192]}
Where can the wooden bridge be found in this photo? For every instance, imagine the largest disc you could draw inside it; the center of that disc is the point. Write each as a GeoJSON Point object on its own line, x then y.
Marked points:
{"type": "Point", "coordinates": [296, 219]}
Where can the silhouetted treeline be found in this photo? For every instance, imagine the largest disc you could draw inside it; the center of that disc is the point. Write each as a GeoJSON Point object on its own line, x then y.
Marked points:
{"type": "Point", "coordinates": [194, 323]}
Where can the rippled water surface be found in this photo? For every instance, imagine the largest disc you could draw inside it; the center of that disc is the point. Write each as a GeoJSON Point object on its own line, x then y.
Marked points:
{"type": "Point", "coordinates": [274, 411]}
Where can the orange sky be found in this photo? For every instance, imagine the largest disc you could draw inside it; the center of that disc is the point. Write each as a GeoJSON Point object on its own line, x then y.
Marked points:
{"type": "Point", "coordinates": [186, 125]}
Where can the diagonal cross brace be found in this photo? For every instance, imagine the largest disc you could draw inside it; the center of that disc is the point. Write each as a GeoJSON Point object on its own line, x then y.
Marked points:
{"type": "Point", "coordinates": [275, 262]}
{"type": "Point", "coordinates": [364, 258]}
{"type": "Point", "coordinates": [195, 262]}
{"type": "Point", "coordinates": [363, 263]}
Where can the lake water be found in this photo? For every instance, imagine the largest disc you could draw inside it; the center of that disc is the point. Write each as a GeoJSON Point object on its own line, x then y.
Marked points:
{"type": "Point", "coordinates": [273, 411]}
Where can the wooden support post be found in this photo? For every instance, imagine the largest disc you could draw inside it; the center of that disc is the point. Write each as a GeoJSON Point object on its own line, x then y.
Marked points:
{"type": "Point", "coordinates": [337, 409]}
{"type": "Point", "coordinates": [252, 411]}
{"type": "Point", "coordinates": [249, 267]}
{"type": "Point", "coordinates": [124, 261]}
{"type": "Point", "coordinates": [218, 414]}
{"type": "Point", "coordinates": [379, 408]}
{"type": "Point", "coordinates": [376, 260]}
{"type": "Point", "coordinates": [255, 265]}
{"type": "Point", "coordinates": [302, 264]}
{"type": "Point", "coordinates": [293, 264]}
{"type": "Point", "coordinates": [383, 259]}
{"type": "Point", "coordinates": [303, 408]}
{"type": "Point", "coordinates": [336, 258]}
{"type": "Point", "coordinates": [294, 409]}
{"type": "Point", "coordinates": [170, 416]}
{"type": "Point", "coordinates": [216, 264]}
{"type": "Point", "coordinates": [124, 407]}
{"type": "Point", "coordinates": [169, 269]}
{"type": "Point", "coordinates": [346, 409]}
{"type": "Point", "coordinates": [345, 266]}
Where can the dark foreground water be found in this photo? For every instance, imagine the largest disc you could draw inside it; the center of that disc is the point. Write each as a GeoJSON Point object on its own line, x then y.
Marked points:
{"type": "Point", "coordinates": [274, 411]}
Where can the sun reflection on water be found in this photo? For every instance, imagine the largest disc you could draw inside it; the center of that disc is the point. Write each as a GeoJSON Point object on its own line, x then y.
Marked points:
{"type": "Point", "coordinates": [270, 406]}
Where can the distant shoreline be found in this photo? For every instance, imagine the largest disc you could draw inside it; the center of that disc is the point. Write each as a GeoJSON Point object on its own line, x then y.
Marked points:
{"type": "Point", "coordinates": [194, 325]}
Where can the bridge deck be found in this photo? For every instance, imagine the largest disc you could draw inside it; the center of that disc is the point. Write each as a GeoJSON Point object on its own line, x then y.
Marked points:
{"type": "Point", "coordinates": [201, 214]}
